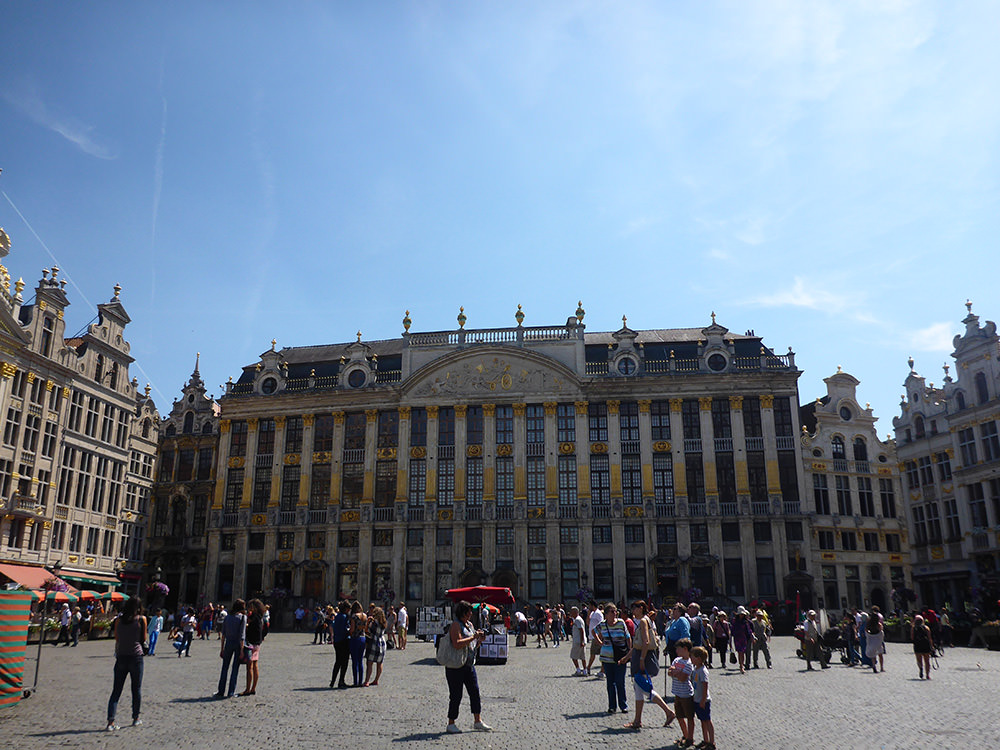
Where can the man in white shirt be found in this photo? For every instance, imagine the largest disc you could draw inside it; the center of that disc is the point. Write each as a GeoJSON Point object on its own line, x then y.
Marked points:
{"type": "Point", "coordinates": [579, 642]}
{"type": "Point", "coordinates": [402, 621]}
{"type": "Point", "coordinates": [596, 618]}
{"type": "Point", "coordinates": [522, 628]}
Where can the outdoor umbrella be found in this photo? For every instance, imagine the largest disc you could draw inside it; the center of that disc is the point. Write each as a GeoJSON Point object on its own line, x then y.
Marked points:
{"type": "Point", "coordinates": [88, 596]}
{"type": "Point", "coordinates": [61, 597]}
{"type": "Point", "coordinates": [113, 596]}
{"type": "Point", "coordinates": [487, 594]}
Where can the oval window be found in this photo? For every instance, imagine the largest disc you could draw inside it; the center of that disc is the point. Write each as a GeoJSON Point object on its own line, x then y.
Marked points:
{"type": "Point", "coordinates": [626, 365]}
{"type": "Point", "coordinates": [357, 378]}
{"type": "Point", "coordinates": [269, 386]}
{"type": "Point", "coordinates": [717, 362]}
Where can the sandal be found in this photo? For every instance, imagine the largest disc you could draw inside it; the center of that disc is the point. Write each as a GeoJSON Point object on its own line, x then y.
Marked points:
{"type": "Point", "coordinates": [632, 725]}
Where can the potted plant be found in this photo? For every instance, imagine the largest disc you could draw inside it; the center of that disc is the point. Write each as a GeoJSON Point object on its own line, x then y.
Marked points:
{"type": "Point", "coordinates": [100, 626]}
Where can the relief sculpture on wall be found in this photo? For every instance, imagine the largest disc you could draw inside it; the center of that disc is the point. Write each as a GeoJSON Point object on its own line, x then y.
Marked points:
{"type": "Point", "coordinates": [492, 375]}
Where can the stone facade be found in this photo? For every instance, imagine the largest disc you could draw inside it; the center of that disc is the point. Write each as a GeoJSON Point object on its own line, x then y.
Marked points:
{"type": "Point", "coordinates": [79, 439]}
{"type": "Point", "coordinates": [859, 533]}
{"type": "Point", "coordinates": [541, 458]}
{"type": "Point", "coordinates": [950, 456]}
{"type": "Point", "coordinates": [182, 494]}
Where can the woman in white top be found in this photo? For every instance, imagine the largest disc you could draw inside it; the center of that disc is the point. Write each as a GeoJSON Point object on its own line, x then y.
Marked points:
{"type": "Point", "coordinates": [875, 646]}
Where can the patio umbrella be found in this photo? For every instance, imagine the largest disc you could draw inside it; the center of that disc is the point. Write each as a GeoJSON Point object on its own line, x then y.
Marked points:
{"type": "Point", "coordinates": [488, 594]}
{"type": "Point", "coordinates": [61, 597]}
{"type": "Point", "coordinates": [88, 596]}
{"type": "Point", "coordinates": [113, 596]}
{"type": "Point", "coordinates": [489, 608]}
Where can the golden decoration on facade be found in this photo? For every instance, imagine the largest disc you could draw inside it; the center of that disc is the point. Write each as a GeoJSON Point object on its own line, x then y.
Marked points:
{"type": "Point", "coordinates": [661, 446]}
{"type": "Point", "coordinates": [404, 412]}
{"type": "Point", "coordinates": [767, 401]}
{"type": "Point", "coordinates": [505, 450]}
{"type": "Point", "coordinates": [644, 405]}
{"type": "Point", "coordinates": [550, 408]}
{"type": "Point", "coordinates": [634, 511]}
{"type": "Point", "coordinates": [285, 555]}
{"type": "Point", "coordinates": [350, 516]}
{"type": "Point", "coordinates": [460, 410]}
{"type": "Point", "coordinates": [676, 404]}
{"type": "Point", "coordinates": [432, 412]}
{"type": "Point", "coordinates": [489, 410]}
{"type": "Point", "coordinates": [567, 449]}
{"type": "Point", "coordinates": [322, 457]}
{"type": "Point", "coordinates": [418, 451]}
{"type": "Point", "coordinates": [386, 454]}
{"type": "Point", "coordinates": [474, 451]}
{"type": "Point", "coordinates": [613, 407]}
{"type": "Point", "coordinates": [279, 421]}
{"type": "Point", "coordinates": [598, 447]}
{"type": "Point", "coordinates": [536, 512]}
{"type": "Point", "coordinates": [736, 403]}
{"type": "Point", "coordinates": [445, 514]}
{"type": "Point", "coordinates": [315, 554]}
{"type": "Point", "coordinates": [705, 403]}
{"type": "Point", "coordinates": [292, 459]}
{"type": "Point", "coordinates": [236, 462]}
{"type": "Point", "coordinates": [338, 417]}
{"type": "Point", "coordinates": [7, 370]}
{"type": "Point", "coordinates": [371, 415]}
{"type": "Point", "coordinates": [580, 312]}
{"type": "Point", "coordinates": [581, 407]}
{"type": "Point", "coordinates": [258, 519]}
{"type": "Point", "coordinates": [308, 419]}
{"type": "Point", "coordinates": [407, 322]}
{"type": "Point", "coordinates": [519, 409]}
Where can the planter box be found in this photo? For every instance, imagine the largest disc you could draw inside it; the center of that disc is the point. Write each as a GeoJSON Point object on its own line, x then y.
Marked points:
{"type": "Point", "coordinates": [96, 632]}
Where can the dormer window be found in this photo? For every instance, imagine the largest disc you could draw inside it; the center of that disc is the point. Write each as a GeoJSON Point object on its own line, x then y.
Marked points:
{"type": "Point", "coordinates": [99, 370]}
{"type": "Point", "coordinates": [47, 332]}
{"type": "Point", "coordinates": [838, 448]}
{"type": "Point", "coordinates": [960, 400]}
{"type": "Point", "coordinates": [982, 391]}
{"type": "Point", "coordinates": [188, 423]}
{"type": "Point", "coordinates": [918, 427]}
{"type": "Point", "coordinates": [627, 365]}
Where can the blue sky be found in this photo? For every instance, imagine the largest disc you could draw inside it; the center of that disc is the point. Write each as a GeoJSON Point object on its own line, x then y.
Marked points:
{"type": "Point", "coordinates": [825, 173]}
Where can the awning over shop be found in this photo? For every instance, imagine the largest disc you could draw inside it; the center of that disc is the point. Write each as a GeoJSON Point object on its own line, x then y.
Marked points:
{"type": "Point", "coordinates": [29, 576]}
{"type": "Point", "coordinates": [90, 577]}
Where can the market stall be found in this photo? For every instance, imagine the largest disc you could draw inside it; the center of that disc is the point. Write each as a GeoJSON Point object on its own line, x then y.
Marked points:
{"type": "Point", "coordinates": [486, 601]}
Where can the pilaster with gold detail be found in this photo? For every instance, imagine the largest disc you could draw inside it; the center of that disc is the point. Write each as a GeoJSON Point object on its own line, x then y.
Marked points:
{"type": "Point", "coordinates": [489, 453]}
{"type": "Point", "coordinates": [520, 453]}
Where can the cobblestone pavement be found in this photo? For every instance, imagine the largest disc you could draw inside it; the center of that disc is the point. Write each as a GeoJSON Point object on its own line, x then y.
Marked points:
{"type": "Point", "coordinates": [533, 702]}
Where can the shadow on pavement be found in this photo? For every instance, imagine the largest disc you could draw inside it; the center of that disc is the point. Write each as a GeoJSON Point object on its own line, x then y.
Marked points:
{"type": "Point", "coordinates": [428, 662]}
{"type": "Point", "coordinates": [588, 715]}
{"type": "Point", "coordinates": [422, 737]}
{"type": "Point", "coordinates": [70, 732]}
{"type": "Point", "coordinates": [199, 699]}
{"type": "Point", "coordinates": [314, 689]}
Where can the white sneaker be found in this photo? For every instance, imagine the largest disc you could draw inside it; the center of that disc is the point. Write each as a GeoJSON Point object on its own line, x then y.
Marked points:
{"type": "Point", "coordinates": [112, 727]}
{"type": "Point", "coordinates": [482, 726]}
{"type": "Point", "coordinates": [137, 722]}
{"type": "Point", "coordinates": [453, 729]}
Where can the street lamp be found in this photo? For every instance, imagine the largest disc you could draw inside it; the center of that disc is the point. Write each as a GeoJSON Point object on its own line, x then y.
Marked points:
{"type": "Point", "coordinates": [41, 629]}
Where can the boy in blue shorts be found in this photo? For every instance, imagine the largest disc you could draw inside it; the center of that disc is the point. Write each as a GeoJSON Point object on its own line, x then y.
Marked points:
{"type": "Point", "coordinates": [702, 699]}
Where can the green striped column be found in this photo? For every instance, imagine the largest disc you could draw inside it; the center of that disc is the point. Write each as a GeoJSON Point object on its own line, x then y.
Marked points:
{"type": "Point", "coordinates": [15, 609]}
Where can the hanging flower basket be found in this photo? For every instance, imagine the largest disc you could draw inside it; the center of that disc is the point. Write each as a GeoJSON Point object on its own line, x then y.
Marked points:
{"type": "Point", "coordinates": [159, 588]}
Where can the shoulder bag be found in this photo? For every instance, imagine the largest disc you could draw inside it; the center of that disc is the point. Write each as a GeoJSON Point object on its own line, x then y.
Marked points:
{"type": "Point", "coordinates": [448, 656]}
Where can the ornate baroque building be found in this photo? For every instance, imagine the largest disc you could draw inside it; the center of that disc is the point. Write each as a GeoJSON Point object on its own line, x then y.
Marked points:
{"type": "Point", "coordinates": [182, 495]}
{"type": "Point", "coordinates": [949, 447]}
{"type": "Point", "coordinates": [540, 458]}
{"type": "Point", "coordinates": [79, 441]}
{"type": "Point", "coordinates": [859, 532]}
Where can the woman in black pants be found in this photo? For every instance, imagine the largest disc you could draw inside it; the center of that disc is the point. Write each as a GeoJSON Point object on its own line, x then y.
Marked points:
{"type": "Point", "coordinates": [130, 635]}
{"type": "Point", "coordinates": [464, 638]}
{"type": "Point", "coordinates": [341, 644]}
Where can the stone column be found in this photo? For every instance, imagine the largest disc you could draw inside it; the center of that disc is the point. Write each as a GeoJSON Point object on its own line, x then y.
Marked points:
{"type": "Point", "coordinates": [708, 451]}
{"type": "Point", "coordinates": [305, 461]}
{"type": "Point", "coordinates": [680, 467]}
{"type": "Point", "coordinates": [432, 453]}
{"type": "Point", "coordinates": [336, 461]}
{"type": "Point", "coordinates": [277, 462]}
{"type": "Point", "coordinates": [520, 453]}
{"type": "Point", "coordinates": [615, 456]}
{"type": "Point", "coordinates": [403, 457]}
{"type": "Point", "coordinates": [770, 444]}
{"type": "Point", "coordinates": [460, 444]}
{"type": "Point", "coordinates": [583, 455]}
{"type": "Point", "coordinates": [222, 466]}
{"type": "Point", "coordinates": [251, 463]}
{"type": "Point", "coordinates": [371, 454]}
{"type": "Point", "coordinates": [739, 448]}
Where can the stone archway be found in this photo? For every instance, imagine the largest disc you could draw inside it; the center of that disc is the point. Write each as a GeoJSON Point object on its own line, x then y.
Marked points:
{"type": "Point", "coordinates": [472, 577]}
{"type": "Point", "coordinates": [507, 578]}
{"type": "Point", "coordinates": [878, 599]}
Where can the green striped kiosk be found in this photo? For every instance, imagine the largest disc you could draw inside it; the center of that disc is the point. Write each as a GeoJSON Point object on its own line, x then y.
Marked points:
{"type": "Point", "coordinates": [15, 609]}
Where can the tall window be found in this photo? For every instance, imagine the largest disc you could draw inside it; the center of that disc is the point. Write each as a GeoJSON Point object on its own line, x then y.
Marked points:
{"type": "Point", "coordinates": [600, 479]}
{"type": "Point", "coordinates": [290, 480]}
{"type": "Point", "coordinates": [933, 523]}
{"type": "Point", "coordinates": [566, 423]}
{"type": "Point", "coordinates": [844, 505]}
{"type": "Point", "coordinates": [238, 438]}
{"type": "Point", "coordinates": [659, 415]}
{"type": "Point", "coordinates": [474, 482]}
{"type": "Point", "coordinates": [967, 446]}
{"type": "Point", "coordinates": [944, 467]}
{"type": "Point", "coordinates": [446, 482]}
{"type": "Point", "coordinates": [234, 490]}
{"type": "Point", "coordinates": [388, 429]}
{"type": "Point", "coordinates": [991, 442]}
{"type": "Point", "coordinates": [631, 480]}
{"type": "Point", "coordinates": [628, 421]}
{"type": "Point", "coordinates": [354, 431]}
{"type": "Point", "coordinates": [977, 505]}
{"type": "Point", "coordinates": [352, 485]}
{"type": "Point", "coordinates": [12, 426]}
{"type": "Point", "coordinates": [866, 498]}
{"type": "Point", "coordinates": [919, 526]}
{"type": "Point", "coordinates": [293, 435]}
{"type": "Point", "coordinates": [663, 479]}
{"type": "Point", "coordinates": [757, 476]}
{"type": "Point", "coordinates": [597, 422]}
{"type": "Point", "coordinates": [783, 422]}
{"type": "Point", "coordinates": [860, 449]}
{"type": "Point", "coordinates": [691, 419]}
{"type": "Point", "coordinates": [505, 425]}
{"type": "Point", "coordinates": [887, 494]}
{"type": "Point", "coordinates": [505, 479]}
{"type": "Point", "coordinates": [725, 473]}
{"type": "Point", "coordinates": [261, 488]}
{"type": "Point", "coordinates": [418, 427]}
{"type": "Point", "coordinates": [185, 465]}
{"type": "Point", "coordinates": [567, 481]}
{"type": "Point", "coordinates": [534, 425]}
{"type": "Point", "coordinates": [323, 433]}
{"type": "Point", "coordinates": [952, 525]}
{"type": "Point", "coordinates": [47, 333]}
{"type": "Point", "coordinates": [536, 481]}
{"type": "Point", "coordinates": [385, 484]}
{"type": "Point", "coordinates": [752, 425]}
{"type": "Point", "coordinates": [474, 425]}
{"type": "Point", "coordinates": [837, 447]}
{"type": "Point", "coordinates": [166, 466]}
{"type": "Point", "coordinates": [982, 391]}
{"type": "Point", "coordinates": [446, 426]}
{"type": "Point", "coordinates": [788, 477]}
{"type": "Point", "coordinates": [536, 580]}
{"type": "Point", "coordinates": [417, 492]}
{"type": "Point", "coordinates": [319, 486]}
{"type": "Point", "coordinates": [722, 426]}
{"type": "Point", "coordinates": [205, 462]}
{"type": "Point", "coordinates": [32, 425]}
{"type": "Point", "coordinates": [695, 478]}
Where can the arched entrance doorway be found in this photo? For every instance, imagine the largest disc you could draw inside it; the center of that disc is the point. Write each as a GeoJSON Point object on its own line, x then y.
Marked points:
{"type": "Point", "coordinates": [507, 578]}
{"type": "Point", "coordinates": [472, 577]}
{"type": "Point", "coordinates": [878, 599]}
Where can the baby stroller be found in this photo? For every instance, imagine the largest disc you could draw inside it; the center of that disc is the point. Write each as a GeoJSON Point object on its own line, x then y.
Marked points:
{"type": "Point", "coordinates": [825, 651]}
{"type": "Point", "coordinates": [834, 640]}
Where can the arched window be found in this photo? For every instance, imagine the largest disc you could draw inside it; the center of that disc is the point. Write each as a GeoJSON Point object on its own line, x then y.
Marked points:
{"type": "Point", "coordinates": [171, 430]}
{"type": "Point", "coordinates": [838, 448]}
{"type": "Point", "coordinates": [189, 423]}
{"type": "Point", "coordinates": [145, 428]}
{"type": "Point", "coordinates": [960, 400]}
{"type": "Point", "coordinates": [982, 391]}
{"type": "Point", "coordinates": [860, 449]}
{"type": "Point", "coordinates": [99, 369]}
{"type": "Point", "coordinates": [918, 426]}
{"type": "Point", "coordinates": [206, 429]}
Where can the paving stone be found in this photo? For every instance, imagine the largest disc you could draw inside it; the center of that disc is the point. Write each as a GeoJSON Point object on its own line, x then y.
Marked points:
{"type": "Point", "coordinates": [533, 701]}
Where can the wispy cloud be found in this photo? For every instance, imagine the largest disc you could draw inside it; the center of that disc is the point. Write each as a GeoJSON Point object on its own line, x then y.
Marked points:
{"type": "Point", "coordinates": [640, 224]}
{"type": "Point", "coordinates": [808, 296]}
{"type": "Point", "coordinates": [717, 254]}
{"type": "Point", "coordinates": [74, 131]}
{"type": "Point", "coordinates": [158, 178]}
{"type": "Point", "coordinates": [936, 337]}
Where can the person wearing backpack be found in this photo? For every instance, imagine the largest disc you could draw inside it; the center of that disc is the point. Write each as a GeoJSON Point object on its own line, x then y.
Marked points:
{"type": "Point", "coordinates": [456, 650]}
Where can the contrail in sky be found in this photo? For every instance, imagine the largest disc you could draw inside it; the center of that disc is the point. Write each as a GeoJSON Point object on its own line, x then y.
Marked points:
{"type": "Point", "coordinates": [157, 186]}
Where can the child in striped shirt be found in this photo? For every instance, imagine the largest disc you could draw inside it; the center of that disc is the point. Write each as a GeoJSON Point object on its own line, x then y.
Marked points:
{"type": "Point", "coordinates": [680, 673]}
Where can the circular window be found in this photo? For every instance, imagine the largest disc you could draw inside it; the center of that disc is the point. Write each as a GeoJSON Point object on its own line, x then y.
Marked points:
{"type": "Point", "coordinates": [846, 414]}
{"type": "Point", "coordinates": [817, 452]}
{"type": "Point", "coordinates": [627, 365]}
{"type": "Point", "coordinates": [357, 378]}
{"type": "Point", "coordinates": [191, 398]}
{"type": "Point", "coordinates": [882, 459]}
{"type": "Point", "coordinates": [717, 363]}
{"type": "Point", "coordinates": [269, 386]}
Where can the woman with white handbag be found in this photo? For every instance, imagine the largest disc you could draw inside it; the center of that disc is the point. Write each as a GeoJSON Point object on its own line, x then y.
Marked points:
{"type": "Point", "coordinates": [456, 652]}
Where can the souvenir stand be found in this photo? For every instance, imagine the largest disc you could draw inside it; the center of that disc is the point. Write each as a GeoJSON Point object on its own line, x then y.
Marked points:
{"type": "Point", "coordinates": [486, 600]}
